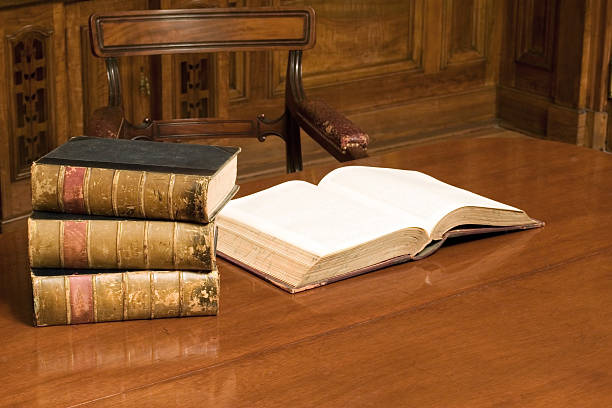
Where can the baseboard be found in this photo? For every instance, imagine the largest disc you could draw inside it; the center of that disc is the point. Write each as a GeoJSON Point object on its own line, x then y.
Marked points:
{"type": "Point", "coordinates": [540, 116]}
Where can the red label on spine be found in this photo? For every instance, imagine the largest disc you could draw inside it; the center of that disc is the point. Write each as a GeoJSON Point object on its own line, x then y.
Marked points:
{"type": "Point", "coordinates": [81, 299]}
{"type": "Point", "coordinates": [74, 180]}
{"type": "Point", "coordinates": [75, 244]}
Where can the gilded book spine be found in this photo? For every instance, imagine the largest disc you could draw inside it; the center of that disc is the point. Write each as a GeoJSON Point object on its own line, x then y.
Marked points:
{"type": "Point", "coordinates": [119, 193]}
{"type": "Point", "coordinates": [120, 244]}
{"type": "Point", "coordinates": [73, 299]}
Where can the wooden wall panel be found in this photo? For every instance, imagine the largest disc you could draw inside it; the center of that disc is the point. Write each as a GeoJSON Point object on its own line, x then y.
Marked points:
{"type": "Point", "coordinates": [375, 60]}
{"type": "Point", "coordinates": [535, 33]}
{"type": "Point", "coordinates": [238, 81]}
{"type": "Point", "coordinates": [87, 78]}
{"type": "Point", "coordinates": [530, 43]}
{"type": "Point", "coordinates": [193, 82]}
{"type": "Point", "coordinates": [463, 31]}
{"type": "Point", "coordinates": [358, 39]}
{"type": "Point", "coordinates": [572, 16]}
{"type": "Point", "coordinates": [33, 112]}
{"type": "Point", "coordinates": [30, 91]}
{"type": "Point", "coordinates": [426, 117]}
{"type": "Point", "coordinates": [238, 68]}
{"type": "Point", "coordinates": [191, 85]}
{"type": "Point", "coordinates": [403, 70]}
{"type": "Point", "coordinates": [554, 68]}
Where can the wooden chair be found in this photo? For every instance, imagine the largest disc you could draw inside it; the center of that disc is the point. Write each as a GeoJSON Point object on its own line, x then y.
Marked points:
{"type": "Point", "coordinates": [155, 32]}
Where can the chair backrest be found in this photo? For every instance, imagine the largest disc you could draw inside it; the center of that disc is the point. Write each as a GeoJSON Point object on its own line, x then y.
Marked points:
{"type": "Point", "coordinates": [154, 32]}
{"type": "Point", "coordinates": [186, 31]}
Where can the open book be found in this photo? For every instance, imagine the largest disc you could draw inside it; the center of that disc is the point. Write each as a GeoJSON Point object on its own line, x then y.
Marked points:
{"type": "Point", "coordinates": [358, 219]}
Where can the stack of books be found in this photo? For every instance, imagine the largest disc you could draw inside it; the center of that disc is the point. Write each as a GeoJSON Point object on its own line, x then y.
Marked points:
{"type": "Point", "coordinates": [125, 230]}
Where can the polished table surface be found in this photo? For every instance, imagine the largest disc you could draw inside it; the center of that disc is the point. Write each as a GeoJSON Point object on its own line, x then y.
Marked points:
{"type": "Point", "coordinates": [511, 320]}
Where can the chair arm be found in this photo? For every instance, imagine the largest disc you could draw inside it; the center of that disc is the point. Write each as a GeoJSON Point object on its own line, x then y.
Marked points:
{"type": "Point", "coordinates": [106, 122]}
{"type": "Point", "coordinates": [332, 130]}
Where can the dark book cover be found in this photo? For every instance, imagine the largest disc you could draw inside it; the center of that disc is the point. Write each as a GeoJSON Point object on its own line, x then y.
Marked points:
{"type": "Point", "coordinates": [122, 154]}
{"type": "Point", "coordinates": [133, 178]}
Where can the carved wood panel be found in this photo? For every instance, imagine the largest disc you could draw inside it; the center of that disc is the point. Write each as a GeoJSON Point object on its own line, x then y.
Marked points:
{"type": "Point", "coordinates": [238, 68]}
{"type": "Point", "coordinates": [463, 31]}
{"type": "Point", "coordinates": [357, 39]}
{"type": "Point", "coordinates": [30, 90]}
{"type": "Point", "coordinates": [529, 49]}
{"type": "Point", "coordinates": [535, 32]}
{"type": "Point", "coordinates": [193, 76]}
{"type": "Point", "coordinates": [238, 80]}
{"type": "Point", "coordinates": [191, 80]}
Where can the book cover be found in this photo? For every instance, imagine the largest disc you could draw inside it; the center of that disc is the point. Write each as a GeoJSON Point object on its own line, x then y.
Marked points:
{"type": "Point", "coordinates": [86, 297]}
{"type": "Point", "coordinates": [93, 242]}
{"type": "Point", "coordinates": [126, 178]}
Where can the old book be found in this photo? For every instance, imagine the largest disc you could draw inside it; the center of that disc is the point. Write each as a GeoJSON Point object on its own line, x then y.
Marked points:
{"type": "Point", "coordinates": [128, 178]}
{"type": "Point", "coordinates": [94, 242]}
{"type": "Point", "coordinates": [116, 295]}
{"type": "Point", "coordinates": [358, 219]}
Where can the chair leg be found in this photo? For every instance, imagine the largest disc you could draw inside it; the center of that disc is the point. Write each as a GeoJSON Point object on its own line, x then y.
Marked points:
{"type": "Point", "coordinates": [292, 144]}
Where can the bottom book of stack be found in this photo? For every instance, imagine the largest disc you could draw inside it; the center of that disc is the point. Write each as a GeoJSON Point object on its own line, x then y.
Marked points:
{"type": "Point", "coordinates": [101, 296]}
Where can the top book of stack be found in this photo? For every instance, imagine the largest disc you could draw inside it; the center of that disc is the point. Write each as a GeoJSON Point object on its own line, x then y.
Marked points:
{"type": "Point", "coordinates": [139, 179]}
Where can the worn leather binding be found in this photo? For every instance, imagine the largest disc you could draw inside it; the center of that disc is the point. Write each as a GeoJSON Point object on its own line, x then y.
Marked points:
{"type": "Point", "coordinates": [121, 193]}
{"type": "Point", "coordinates": [110, 296]}
{"type": "Point", "coordinates": [88, 242]}
{"type": "Point", "coordinates": [124, 178]}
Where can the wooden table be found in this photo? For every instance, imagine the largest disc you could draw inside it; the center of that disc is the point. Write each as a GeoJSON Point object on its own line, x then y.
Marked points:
{"type": "Point", "coordinates": [518, 319]}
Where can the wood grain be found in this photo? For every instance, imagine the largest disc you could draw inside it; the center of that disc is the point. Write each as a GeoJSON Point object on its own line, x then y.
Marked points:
{"type": "Point", "coordinates": [464, 30]}
{"type": "Point", "coordinates": [444, 353]}
{"type": "Point", "coordinates": [87, 74]}
{"type": "Point", "coordinates": [380, 63]}
{"type": "Point", "coordinates": [401, 70]}
{"type": "Point", "coordinates": [515, 319]}
{"type": "Point", "coordinates": [556, 52]}
{"type": "Point", "coordinates": [44, 18]}
{"type": "Point", "coordinates": [201, 30]}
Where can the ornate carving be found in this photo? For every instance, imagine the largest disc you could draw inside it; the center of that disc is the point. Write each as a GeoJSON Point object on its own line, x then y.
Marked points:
{"type": "Point", "coordinates": [194, 75]}
{"type": "Point", "coordinates": [30, 87]}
